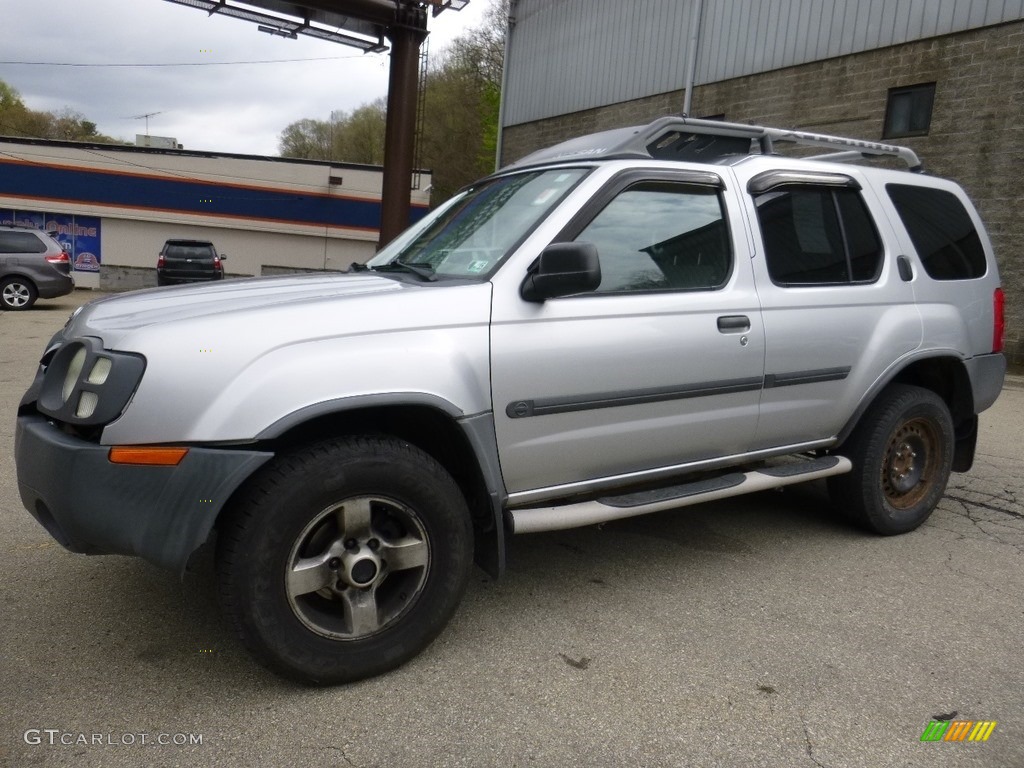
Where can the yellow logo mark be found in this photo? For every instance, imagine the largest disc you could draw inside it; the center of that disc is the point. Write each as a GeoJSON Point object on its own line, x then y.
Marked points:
{"type": "Point", "coordinates": [982, 730]}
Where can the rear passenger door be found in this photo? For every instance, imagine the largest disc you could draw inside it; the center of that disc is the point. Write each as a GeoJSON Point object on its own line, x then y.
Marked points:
{"type": "Point", "coordinates": [837, 312]}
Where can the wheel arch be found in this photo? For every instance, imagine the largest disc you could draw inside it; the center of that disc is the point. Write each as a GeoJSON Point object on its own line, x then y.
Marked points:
{"type": "Point", "coordinates": [464, 445]}
{"type": "Point", "coordinates": [946, 375]}
{"type": "Point", "coordinates": [23, 278]}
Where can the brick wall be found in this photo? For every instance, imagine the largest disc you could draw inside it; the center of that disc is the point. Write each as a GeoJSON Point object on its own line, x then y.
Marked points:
{"type": "Point", "coordinates": [976, 135]}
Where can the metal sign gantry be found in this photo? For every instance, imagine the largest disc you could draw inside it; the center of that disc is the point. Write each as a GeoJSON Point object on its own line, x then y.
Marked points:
{"type": "Point", "coordinates": [363, 24]}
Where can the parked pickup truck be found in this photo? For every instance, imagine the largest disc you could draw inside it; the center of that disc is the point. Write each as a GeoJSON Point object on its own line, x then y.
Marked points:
{"type": "Point", "coordinates": [629, 322]}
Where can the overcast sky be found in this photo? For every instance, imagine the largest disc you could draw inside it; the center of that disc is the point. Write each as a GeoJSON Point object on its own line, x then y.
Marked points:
{"type": "Point", "coordinates": [230, 108]}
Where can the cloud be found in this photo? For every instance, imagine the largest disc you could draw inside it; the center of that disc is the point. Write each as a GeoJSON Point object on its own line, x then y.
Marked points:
{"type": "Point", "coordinates": [237, 108]}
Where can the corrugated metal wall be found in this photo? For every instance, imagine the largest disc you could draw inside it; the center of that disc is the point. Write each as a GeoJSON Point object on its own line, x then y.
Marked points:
{"type": "Point", "coordinates": [570, 55]}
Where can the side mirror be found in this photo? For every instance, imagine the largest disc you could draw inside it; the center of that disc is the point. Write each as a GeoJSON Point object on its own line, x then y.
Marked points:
{"type": "Point", "coordinates": [223, 256]}
{"type": "Point", "coordinates": [562, 269]}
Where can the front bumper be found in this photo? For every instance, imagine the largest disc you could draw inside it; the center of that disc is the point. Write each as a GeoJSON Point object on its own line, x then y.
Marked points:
{"type": "Point", "coordinates": [91, 506]}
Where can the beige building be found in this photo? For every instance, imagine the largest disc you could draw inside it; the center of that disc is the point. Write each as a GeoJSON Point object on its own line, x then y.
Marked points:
{"type": "Point", "coordinates": [114, 206]}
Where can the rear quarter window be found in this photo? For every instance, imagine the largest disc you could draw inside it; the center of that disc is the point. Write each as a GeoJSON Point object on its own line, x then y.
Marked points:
{"type": "Point", "coordinates": [21, 242]}
{"type": "Point", "coordinates": [942, 231]}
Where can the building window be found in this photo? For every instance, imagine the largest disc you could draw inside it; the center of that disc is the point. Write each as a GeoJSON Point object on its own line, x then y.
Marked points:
{"type": "Point", "coordinates": [909, 111]}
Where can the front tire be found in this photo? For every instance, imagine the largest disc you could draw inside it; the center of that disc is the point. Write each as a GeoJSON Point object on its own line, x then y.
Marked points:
{"type": "Point", "coordinates": [902, 452]}
{"type": "Point", "coordinates": [17, 294]}
{"type": "Point", "coordinates": [344, 559]}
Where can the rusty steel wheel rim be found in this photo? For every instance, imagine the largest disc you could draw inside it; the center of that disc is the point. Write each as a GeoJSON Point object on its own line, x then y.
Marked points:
{"type": "Point", "coordinates": [909, 466]}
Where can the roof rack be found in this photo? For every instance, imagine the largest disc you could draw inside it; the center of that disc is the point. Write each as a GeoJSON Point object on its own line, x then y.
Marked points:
{"type": "Point", "coordinates": [689, 138]}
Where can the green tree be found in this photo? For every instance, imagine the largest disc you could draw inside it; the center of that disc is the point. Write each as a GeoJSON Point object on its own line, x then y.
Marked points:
{"type": "Point", "coordinates": [359, 136]}
{"type": "Point", "coordinates": [463, 94]}
{"type": "Point", "coordinates": [307, 139]}
{"type": "Point", "coordinates": [66, 124]}
{"type": "Point", "coordinates": [460, 120]}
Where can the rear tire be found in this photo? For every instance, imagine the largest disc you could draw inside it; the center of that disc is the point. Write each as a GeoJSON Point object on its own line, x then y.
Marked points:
{"type": "Point", "coordinates": [902, 452]}
{"type": "Point", "coordinates": [344, 559]}
{"type": "Point", "coordinates": [17, 294]}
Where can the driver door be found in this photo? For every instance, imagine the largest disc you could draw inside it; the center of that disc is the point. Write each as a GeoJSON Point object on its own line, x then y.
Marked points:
{"type": "Point", "coordinates": [660, 366]}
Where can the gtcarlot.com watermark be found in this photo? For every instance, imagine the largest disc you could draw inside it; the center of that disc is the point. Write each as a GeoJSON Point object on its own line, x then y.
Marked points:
{"type": "Point", "coordinates": [56, 737]}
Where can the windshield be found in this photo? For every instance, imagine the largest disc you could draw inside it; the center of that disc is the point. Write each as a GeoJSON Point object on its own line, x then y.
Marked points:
{"type": "Point", "coordinates": [470, 234]}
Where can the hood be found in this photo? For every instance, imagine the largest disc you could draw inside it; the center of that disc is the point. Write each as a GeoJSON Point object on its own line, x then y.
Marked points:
{"type": "Point", "coordinates": [114, 316]}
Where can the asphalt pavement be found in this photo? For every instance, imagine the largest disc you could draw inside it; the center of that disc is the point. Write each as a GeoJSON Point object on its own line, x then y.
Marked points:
{"type": "Point", "coordinates": [758, 631]}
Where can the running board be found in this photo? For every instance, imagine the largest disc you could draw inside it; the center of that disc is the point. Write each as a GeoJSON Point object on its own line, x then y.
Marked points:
{"type": "Point", "coordinates": [536, 519]}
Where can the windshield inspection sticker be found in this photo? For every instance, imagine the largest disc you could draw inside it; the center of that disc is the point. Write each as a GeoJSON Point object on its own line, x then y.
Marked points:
{"type": "Point", "coordinates": [477, 266]}
{"type": "Point", "coordinates": [544, 196]}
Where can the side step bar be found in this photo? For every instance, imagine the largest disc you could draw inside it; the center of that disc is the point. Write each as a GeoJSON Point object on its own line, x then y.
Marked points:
{"type": "Point", "coordinates": [536, 519]}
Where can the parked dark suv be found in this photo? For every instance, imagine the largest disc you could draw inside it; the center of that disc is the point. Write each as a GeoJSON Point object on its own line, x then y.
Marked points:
{"type": "Point", "coordinates": [32, 266]}
{"type": "Point", "coordinates": [188, 261]}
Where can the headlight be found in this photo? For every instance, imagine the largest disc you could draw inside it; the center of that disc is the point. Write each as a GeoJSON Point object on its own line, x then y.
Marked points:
{"type": "Point", "coordinates": [87, 385]}
{"type": "Point", "coordinates": [74, 371]}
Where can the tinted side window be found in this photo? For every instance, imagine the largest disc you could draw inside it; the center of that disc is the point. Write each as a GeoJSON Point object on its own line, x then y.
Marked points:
{"type": "Point", "coordinates": [818, 236]}
{"type": "Point", "coordinates": [21, 242]}
{"type": "Point", "coordinates": [941, 230]}
{"type": "Point", "coordinates": [661, 236]}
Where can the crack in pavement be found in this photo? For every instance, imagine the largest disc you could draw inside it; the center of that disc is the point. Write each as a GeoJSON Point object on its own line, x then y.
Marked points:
{"type": "Point", "coordinates": [809, 744]}
{"type": "Point", "coordinates": [985, 505]}
{"type": "Point", "coordinates": [343, 755]}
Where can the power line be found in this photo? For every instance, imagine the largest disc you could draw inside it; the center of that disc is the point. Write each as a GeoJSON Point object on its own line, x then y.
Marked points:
{"type": "Point", "coordinates": [174, 64]}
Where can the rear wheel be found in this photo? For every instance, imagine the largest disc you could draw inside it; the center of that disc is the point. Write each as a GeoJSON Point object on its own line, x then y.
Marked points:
{"type": "Point", "coordinates": [17, 293]}
{"type": "Point", "coordinates": [902, 452]}
{"type": "Point", "coordinates": [344, 559]}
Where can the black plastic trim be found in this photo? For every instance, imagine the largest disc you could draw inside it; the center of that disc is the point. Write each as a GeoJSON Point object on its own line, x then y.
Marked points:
{"type": "Point", "coordinates": [113, 394]}
{"type": "Point", "coordinates": [641, 498]}
{"type": "Point", "coordinates": [355, 402]}
{"type": "Point", "coordinates": [521, 409]}
{"type": "Point", "coordinates": [773, 380]}
{"type": "Point", "coordinates": [490, 542]}
{"type": "Point", "coordinates": [795, 468]}
{"type": "Point", "coordinates": [92, 506]}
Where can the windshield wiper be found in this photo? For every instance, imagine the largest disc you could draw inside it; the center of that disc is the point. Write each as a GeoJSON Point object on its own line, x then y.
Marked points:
{"type": "Point", "coordinates": [422, 271]}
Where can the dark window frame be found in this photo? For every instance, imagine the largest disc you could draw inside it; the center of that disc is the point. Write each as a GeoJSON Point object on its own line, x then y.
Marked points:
{"type": "Point", "coordinates": [914, 92]}
{"type": "Point", "coordinates": [833, 192]}
{"type": "Point", "coordinates": [968, 252]}
{"type": "Point", "coordinates": [629, 179]}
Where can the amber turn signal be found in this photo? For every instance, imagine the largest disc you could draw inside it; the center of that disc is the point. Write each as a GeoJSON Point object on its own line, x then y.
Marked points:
{"type": "Point", "coordinates": [147, 455]}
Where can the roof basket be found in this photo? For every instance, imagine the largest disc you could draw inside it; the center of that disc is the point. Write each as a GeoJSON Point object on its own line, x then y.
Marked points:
{"type": "Point", "coordinates": [688, 138]}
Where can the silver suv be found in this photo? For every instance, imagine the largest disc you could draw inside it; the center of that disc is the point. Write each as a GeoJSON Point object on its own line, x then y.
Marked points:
{"type": "Point", "coordinates": [630, 322]}
{"type": "Point", "coordinates": [32, 266]}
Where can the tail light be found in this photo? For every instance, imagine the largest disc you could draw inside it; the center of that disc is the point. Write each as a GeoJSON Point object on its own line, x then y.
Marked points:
{"type": "Point", "coordinates": [161, 262]}
{"type": "Point", "coordinates": [998, 319]}
{"type": "Point", "coordinates": [63, 258]}
{"type": "Point", "coordinates": [216, 263]}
